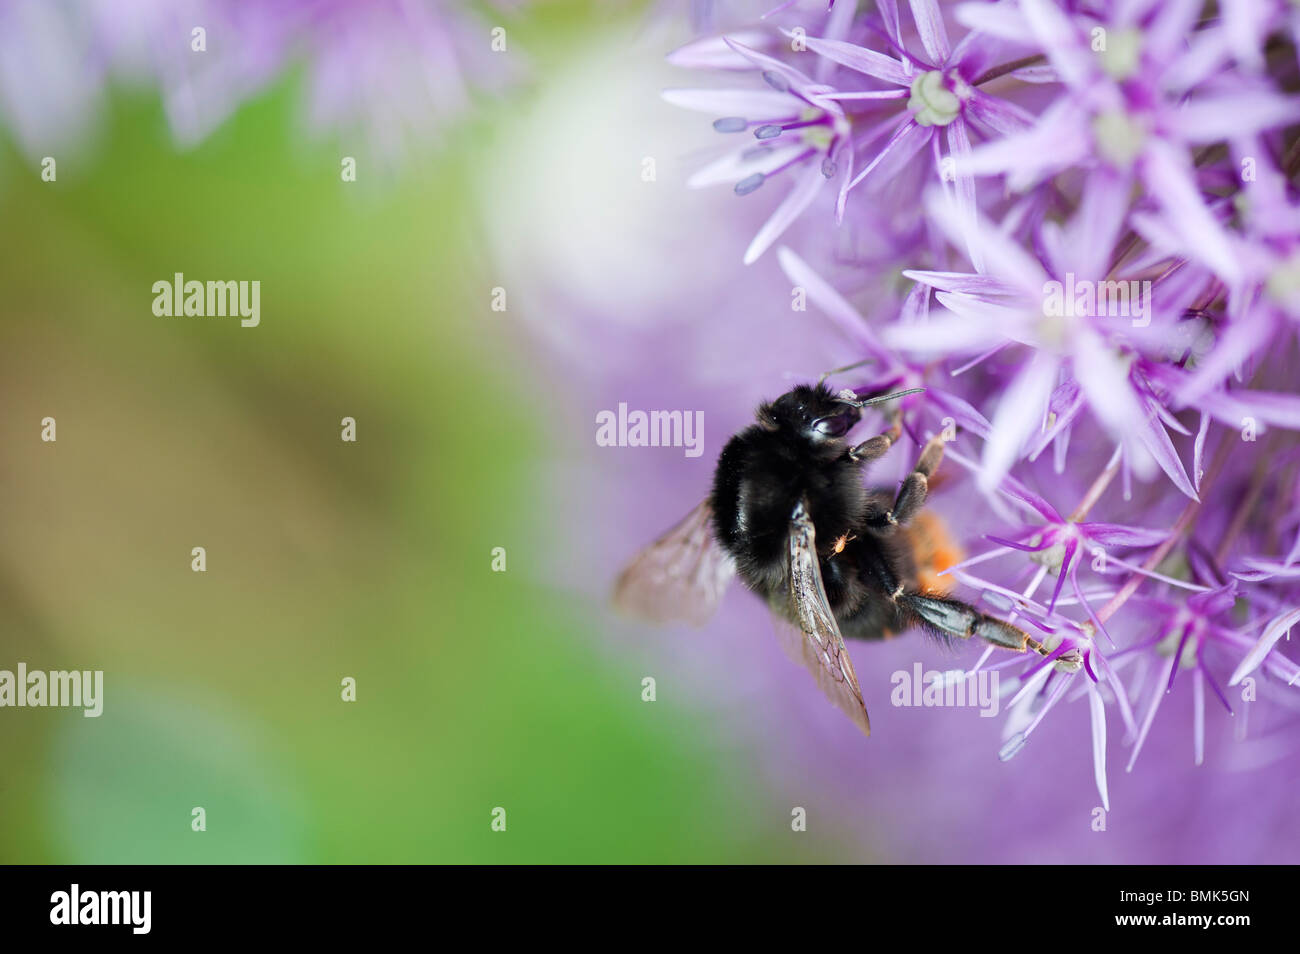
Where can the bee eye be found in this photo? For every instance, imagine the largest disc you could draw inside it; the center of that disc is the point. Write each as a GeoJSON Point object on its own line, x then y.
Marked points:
{"type": "Point", "coordinates": [835, 426]}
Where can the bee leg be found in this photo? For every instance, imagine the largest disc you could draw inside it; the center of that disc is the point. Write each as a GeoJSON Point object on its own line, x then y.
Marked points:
{"type": "Point", "coordinates": [876, 447]}
{"type": "Point", "coordinates": [911, 496]}
{"type": "Point", "coordinates": [959, 619]}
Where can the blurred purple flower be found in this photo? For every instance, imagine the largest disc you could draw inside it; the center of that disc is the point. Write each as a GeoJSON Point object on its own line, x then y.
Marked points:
{"type": "Point", "coordinates": [50, 82]}
{"type": "Point", "coordinates": [387, 71]}
{"type": "Point", "coordinates": [395, 71]}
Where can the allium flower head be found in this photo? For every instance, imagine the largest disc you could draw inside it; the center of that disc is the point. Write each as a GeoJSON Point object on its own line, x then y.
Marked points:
{"type": "Point", "coordinates": [1096, 275]}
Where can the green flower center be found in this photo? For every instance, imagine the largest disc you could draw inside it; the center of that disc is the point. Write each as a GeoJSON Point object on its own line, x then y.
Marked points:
{"type": "Point", "coordinates": [932, 101]}
{"type": "Point", "coordinates": [819, 137]}
{"type": "Point", "coordinates": [1283, 285]}
{"type": "Point", "coordinates": [1119, 137]}
{"type": "Point", "coordinates": [1122, 53]}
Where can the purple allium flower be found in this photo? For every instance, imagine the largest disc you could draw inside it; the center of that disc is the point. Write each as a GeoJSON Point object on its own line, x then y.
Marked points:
{"type": "Point", "coordinates": [798, 126]}
{"type": "Point", "coordinates": [882, 110]}
{"type": "Point", "coordinates": [1136, 102]}
{"type": "Point", "coordinates": [1011, 304]}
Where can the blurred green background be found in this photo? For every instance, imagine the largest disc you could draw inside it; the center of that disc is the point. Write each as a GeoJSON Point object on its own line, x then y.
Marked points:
{"type": "Point", "coordinates": [326, 559]}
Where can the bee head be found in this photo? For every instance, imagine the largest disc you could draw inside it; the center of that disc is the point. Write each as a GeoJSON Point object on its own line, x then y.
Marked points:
{"type": "Point", "coordinates": [811, 413]}
{"type": "Point", "coordinates": [817, 416]}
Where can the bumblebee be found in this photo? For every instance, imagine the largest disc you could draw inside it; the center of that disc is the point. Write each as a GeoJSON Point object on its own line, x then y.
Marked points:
{"type": "Point", "coordinates": [790, 515]}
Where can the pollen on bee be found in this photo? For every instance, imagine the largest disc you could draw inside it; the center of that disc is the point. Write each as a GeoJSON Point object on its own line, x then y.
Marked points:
{"type": "Point", "coordinates": [935, 551]}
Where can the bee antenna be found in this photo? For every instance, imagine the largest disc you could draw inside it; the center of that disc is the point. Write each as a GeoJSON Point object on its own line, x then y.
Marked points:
{"type": "Point", "coordinates": [849, 397]}
{"type": "Point", "coordinates": [847, 367]}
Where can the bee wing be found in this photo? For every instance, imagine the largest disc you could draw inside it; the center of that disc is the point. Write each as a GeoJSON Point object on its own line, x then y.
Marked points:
{"type": "Point", "coordinates": [680, 577]}
{"type": "Point", "coordinates": [818, 643]}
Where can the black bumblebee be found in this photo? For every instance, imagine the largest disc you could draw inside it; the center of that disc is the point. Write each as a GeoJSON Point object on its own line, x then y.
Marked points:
{"type": "Point", "coordinates": [789, 513]}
